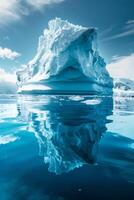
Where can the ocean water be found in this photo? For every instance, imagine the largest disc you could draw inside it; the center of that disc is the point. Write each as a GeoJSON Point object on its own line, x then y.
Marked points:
{"type": "Point", "coordinates": [66, 147]}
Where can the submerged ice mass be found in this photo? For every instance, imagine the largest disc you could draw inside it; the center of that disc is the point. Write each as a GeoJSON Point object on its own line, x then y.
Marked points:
{"type": "Point", "coordinates": [67, 61]}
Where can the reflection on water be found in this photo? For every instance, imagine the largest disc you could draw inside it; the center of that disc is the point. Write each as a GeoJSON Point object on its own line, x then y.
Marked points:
{"type": "Point", "coordinates": [66, 147]}
{"type": "Point", "coordinates": [67, 130]}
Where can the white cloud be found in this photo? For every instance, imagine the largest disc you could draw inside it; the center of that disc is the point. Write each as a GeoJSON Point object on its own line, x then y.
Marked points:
{"type": "Point", "coordinates": [127, 30]}
{"type": "Point", "coordinates": [130, 21]}
{"type": "Point", "coordinates": [122, 67]}
{"type": "Point", "coordinates": [13, 10]}
{"type": "Point", "coordinates": [39, 4]}
{"type": "Point", "coordinates": [122, 34]}
{"type": "Point", "coordinates": [7, 82]}
{"type": "Point", "coordinates": [10, 11]}
{"type": "Point", "coordinates": [106, 31]}
{"type": "Point", "coordinates": [7, 77]}
{"type": "Point", "coordinates": [8, 53]}
{"type": "Point", "coordinates": [8, 139]}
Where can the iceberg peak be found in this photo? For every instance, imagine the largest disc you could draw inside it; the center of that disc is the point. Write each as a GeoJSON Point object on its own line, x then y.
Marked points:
{"type": "Point", "coordinates": [67, 61]}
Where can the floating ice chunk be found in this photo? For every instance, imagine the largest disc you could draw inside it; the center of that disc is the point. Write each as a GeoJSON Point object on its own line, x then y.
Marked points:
{"type": "Point", "coordinates": [92, 101]}
{"type": "Point", "coordinates": [76, 98]}
{"type": "Point", "coordinates": [5, 139]}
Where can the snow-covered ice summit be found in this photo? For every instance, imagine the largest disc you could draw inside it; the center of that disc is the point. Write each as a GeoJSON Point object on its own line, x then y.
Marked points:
{"type": "Point", "coordinates": [67, 62]}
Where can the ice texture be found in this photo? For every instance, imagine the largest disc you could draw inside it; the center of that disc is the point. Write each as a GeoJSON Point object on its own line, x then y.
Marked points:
{"type": "Point", "coordinates": [67, 59]}
{"type": "Point", "coordinates": [123, 87]}
{"type": "Point", "coordinates": [68, 130]}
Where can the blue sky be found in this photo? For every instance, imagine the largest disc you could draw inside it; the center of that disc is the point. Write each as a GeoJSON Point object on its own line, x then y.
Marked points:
{"type": "Point", "coordinates": [23, 21]}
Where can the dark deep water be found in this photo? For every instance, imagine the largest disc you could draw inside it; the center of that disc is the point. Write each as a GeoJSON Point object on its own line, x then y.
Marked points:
{"type": "Point", "coordinates": [66, 148]}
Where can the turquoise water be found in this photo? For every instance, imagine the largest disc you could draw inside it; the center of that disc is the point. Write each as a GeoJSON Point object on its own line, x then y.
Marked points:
{"type": "Point", "coordinates": [66, 148]}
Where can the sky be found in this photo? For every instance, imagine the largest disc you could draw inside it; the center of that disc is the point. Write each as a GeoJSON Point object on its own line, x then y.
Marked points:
{"type": "Point", "coordinates": [23, 21]}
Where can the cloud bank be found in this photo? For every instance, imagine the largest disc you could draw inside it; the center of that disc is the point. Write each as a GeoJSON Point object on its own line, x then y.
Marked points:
{"type": "Point", "coordinates": [13, 10]}
{"type": "Point", "coordinates": [7, 77]}
{"type": "Point", "coordinates": [7, 82]}
{"type": "Point", "coordinates": [8, 53]}
{"type": "Point", "coordinates": [10, 11]}
{"type": "Point", "coordinates": [122, 67]}
{"type": "Point", "coordinates": [127, 30]}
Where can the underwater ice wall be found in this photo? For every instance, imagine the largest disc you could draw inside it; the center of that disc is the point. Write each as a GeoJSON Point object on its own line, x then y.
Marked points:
{"type": "Point", "coordinates": [66, 53]}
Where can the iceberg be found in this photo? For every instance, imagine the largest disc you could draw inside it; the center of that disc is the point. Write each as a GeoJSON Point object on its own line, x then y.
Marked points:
{"type": "Point", "coordinates": [67, 62]}
{"type": "Point", "coordinates": [123, 87]}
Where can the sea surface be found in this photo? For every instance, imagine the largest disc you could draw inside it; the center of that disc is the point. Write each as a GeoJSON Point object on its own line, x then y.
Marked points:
{"type": "Point", "coordinates": [66, 147]}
